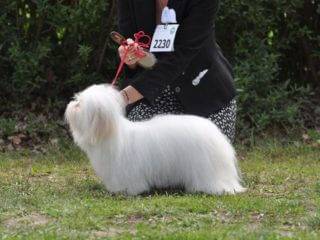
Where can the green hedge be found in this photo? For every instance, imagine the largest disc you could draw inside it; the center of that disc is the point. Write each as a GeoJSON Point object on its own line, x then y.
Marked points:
{"type": "Point", "coordinates": [50, 49]}
{"type": "Point", "coordinates": [274, 46]}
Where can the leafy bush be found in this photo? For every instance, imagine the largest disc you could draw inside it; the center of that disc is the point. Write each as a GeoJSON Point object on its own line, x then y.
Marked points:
{"type": "Point", "coordinates": [50, 49]}
{"type": "Point", "coordinates": [274, 46]}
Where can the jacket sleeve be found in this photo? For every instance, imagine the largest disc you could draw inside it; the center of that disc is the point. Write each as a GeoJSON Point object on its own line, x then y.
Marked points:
{"type": "Point", "coordinates": [195, 28]}
{"type": "Point", "coordinates": [124, 19]}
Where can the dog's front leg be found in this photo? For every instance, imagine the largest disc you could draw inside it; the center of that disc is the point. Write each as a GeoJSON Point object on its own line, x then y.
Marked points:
{"type": "Point", "coordinates": [127, 186]}
{"type": "Point", "coordinates": [136, 189]}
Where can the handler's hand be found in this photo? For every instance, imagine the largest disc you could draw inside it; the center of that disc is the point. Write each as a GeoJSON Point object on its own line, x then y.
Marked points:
{"type": "Point", "coordinates": [131, 59]}
{"type": "Point", "coordinates": [131, 95]}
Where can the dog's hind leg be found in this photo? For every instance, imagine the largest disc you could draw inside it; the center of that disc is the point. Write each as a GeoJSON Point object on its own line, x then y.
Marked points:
{"type": "Point", "coordinates": [203, 182]}
{"type": "Point", "coordinates": [215, 188]}
{"type": "Point", "coordinates": [212, 182]}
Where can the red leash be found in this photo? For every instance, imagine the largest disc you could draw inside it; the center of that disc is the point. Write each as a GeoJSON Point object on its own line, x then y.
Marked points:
{"type": "Point", "coordinates": [139, 53]}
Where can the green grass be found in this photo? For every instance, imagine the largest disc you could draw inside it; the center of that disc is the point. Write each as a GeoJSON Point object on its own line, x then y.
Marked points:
{"type": "Point", "coordinates": [57, 196]}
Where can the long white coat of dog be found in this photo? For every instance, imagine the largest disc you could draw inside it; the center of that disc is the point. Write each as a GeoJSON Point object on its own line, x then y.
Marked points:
{"type": "Point", "coordinates": [166, 151]}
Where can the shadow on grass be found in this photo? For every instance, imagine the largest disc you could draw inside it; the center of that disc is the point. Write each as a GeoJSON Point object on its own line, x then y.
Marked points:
{"type": "Point", "coordinates": [97, 189]}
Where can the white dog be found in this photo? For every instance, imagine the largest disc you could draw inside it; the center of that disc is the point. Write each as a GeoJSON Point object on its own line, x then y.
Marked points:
{"type": "Point", "coordinates": [166, 151]}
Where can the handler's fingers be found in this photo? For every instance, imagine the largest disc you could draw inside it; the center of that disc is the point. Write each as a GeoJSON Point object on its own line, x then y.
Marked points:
{"type": "Point", "coordinates": [121, 51]}
{"type": "Point", "coordinates": [130, 50]}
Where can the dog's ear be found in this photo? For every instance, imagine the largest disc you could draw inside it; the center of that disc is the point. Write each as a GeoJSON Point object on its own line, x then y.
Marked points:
{"type": "Point", "coordinates": [103, 125]}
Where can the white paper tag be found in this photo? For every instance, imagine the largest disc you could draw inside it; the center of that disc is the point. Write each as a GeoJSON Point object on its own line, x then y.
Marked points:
{"type": "Point", "coordinates": [168, 16]}
{"type": "Point", "coordinates": [163, 38]}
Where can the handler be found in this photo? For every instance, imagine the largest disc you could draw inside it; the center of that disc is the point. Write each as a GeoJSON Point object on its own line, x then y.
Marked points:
{"type": "Point", "coordinates": [191, 77]}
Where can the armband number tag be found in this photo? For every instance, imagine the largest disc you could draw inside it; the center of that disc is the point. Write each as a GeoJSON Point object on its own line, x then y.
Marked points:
{"type": "Point", "coordinates": [163, 38]}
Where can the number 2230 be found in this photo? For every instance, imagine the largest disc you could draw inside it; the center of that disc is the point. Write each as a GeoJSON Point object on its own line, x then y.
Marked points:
{"type": "Point", "coordinates": [162, 43]}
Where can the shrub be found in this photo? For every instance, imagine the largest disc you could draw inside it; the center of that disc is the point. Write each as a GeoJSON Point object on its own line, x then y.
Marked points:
{"type": "Point", "coordinates": [50, 49]}
{"type": "Point", "coordinates": [274, 46]}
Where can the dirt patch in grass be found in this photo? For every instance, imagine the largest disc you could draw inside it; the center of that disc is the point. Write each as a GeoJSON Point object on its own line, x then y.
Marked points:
{"type": "Point", "coordinates": [286, 234]}
{"type": "Point", "coordinates": [136, 218]}
{"type": "Point", "coordinates": [224, 217]}
{"type": "Point", "coordinates": [31, 220]}
{"type": "Point", "coordinates": [112, 232]}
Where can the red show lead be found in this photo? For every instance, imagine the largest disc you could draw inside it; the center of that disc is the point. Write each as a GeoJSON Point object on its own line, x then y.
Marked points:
{"type": "Point", "coordinates": [139, 53]}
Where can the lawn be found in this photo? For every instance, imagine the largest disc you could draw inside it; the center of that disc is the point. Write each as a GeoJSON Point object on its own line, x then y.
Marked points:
{"type": "Point", "coordinates": [57, 196]}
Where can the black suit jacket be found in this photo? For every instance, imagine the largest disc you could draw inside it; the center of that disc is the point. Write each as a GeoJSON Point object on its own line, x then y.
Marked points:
{"type": "Point", "coordinates": [196, 50]}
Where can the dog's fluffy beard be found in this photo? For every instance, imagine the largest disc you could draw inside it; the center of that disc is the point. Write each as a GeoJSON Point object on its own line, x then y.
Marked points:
{"type": "Point", "coordinates": [166, 151]}
{"type": "Point", "coordinates": [91, 115]}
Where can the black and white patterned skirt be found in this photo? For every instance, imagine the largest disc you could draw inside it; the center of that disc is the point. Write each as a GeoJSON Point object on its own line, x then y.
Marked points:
{"type": "Point", "coordinates": [168, 103]}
